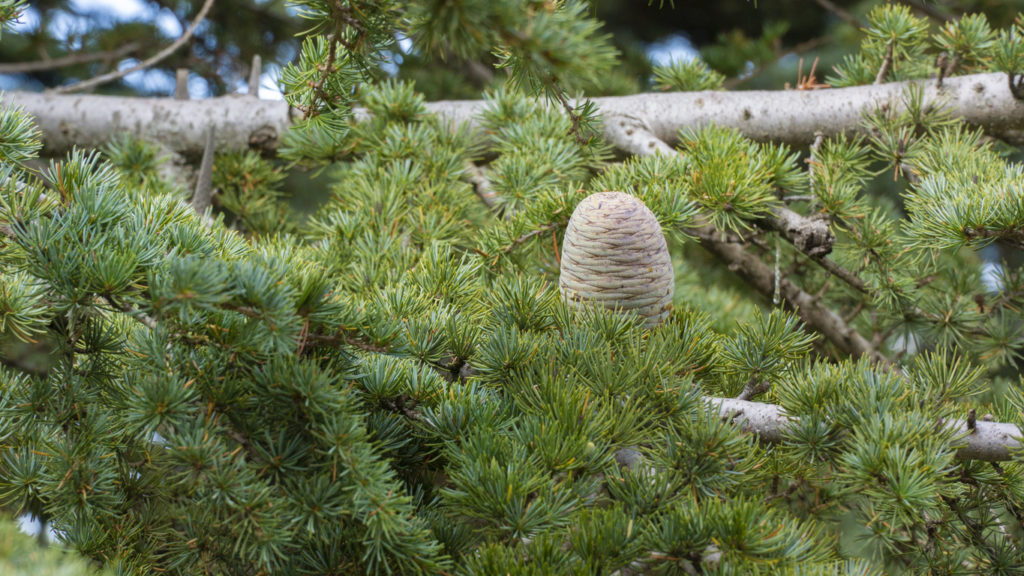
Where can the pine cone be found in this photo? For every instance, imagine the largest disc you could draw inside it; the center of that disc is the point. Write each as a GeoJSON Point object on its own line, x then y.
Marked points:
{"type": "Point", "coordinates": [614, 255]}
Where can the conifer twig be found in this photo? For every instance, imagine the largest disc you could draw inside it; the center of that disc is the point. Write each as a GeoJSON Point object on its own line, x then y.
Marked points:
{"type": "Point", "coordinates": [516, 242]}
{"type": "Point", "coordinates": [161, 55]}
{"type": "Point", "coordinates": [143, 318]}
{"type": "Point", "coordinates": [754, 388]}
{"type": "Point", "coordinates": [843, 274]}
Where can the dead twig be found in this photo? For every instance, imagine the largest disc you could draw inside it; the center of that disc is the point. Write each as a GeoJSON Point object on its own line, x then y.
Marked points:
{"type": "Point", "coordinates": [161, 55]}
{"type": "Point", "coordinates": [203, 195]}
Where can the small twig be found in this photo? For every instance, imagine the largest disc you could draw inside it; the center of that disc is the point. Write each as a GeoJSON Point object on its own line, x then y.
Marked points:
{"type": "Point", "coordinates": [754, 388]}
{"type": "Point", "coordinates": [181, 84]}
{"type": "Point", "coordinates": [947, 66]}
{"type": "Point", "coordinates": [103, 79]}
{"type": "Point", "coordinates": [69, 60]}
{"type": "Point", "coordinates": [817, 316]}
{"type": "Point", "coordinates": [531, 234]}
{"type": "Point", "coordinates": [842, 273]}
{"type": "Point", "coordinates": [799, 198]}
{"type": "Point", "coordinates": [575, 118]}
{"type": "Point", "coordinates": [145, 320]}
{"type": "Point", "coordinates": [798, 49]}
{"type": "Point", "coordinates": [481, 184]}
{"type": "Point", "coordinates": [518, 241]}
{"type": "Point", "coordinates": [853, 313]}
{"type": "Point", "coordinates": [841, 13]}
{"type": "Point", "coordinates": [203, 195]}
{"type": "Point", "coordinates": [325, 72]}
{"type": "Point", "coordinates": [941, 62]}
{"type": "Point", "coordinates": [883, 70]}
{"type": "Point", "coordinates": [254, 76]}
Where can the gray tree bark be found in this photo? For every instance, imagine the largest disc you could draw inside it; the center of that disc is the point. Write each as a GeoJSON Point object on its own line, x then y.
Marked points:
{"type": "Point", "coordinates": [791, 116]}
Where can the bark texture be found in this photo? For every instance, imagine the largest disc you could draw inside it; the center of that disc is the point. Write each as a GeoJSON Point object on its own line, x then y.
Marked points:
{"type": "Point", "coordinates": [89, 121]}
{"type": "Point", "coordinates": [632, 122]}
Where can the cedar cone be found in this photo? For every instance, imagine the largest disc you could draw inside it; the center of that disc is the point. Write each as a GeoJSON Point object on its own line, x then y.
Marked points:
{"type": "Point", "coordinates": [614, 255]}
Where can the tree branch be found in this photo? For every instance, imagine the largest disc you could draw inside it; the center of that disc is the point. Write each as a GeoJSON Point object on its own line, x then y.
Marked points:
{"type": "Point", "coordinates": [103, 79]}
{"type": "Point", "coordinates": [482, 185]}
{"type": "Point", "coordinates": [69, 60]}
{"type": "Point", "coordinates": [789, 116]}
{"type": "Point", "coordinates": [989, 441]}
{"type": "Point", "coordinates": [883, 70]}
{"type": "Point", "coordinates": [810, 309]}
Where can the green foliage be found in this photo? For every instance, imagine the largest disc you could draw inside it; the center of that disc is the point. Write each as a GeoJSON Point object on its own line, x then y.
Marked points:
{"type": "Point", "coordinates": [10, 12]}
{"type": "Point", "coordinates": [20, 555]}
{"type": "Point", "coordinates": [967, 42]}
{"type": "Point", "coordinates": [734, 52]}
{"type": "Point", "coordinates": [1008, 51]}
{"type": "Point", "coordinates": [19, 137]}
{"type": "Point", "coordinates": [687, 75]}
{"type": "Point", "coordinates": [730, 176]}
{"type": "Point", "coordinates": [395, 386]}
{"type": "Point", "coordinates": [894, 46]}
{"type": "Point", "coordinates": [249, 188]}
{"type": "Point", "coordinates": [319, 85]}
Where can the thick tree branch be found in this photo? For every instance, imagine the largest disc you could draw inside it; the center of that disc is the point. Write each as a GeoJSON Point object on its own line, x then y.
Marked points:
{"type": "Point", "coordinates": [89, 121]}
{"type": "Point", "coordinates": [790, 116]}
{"type": "Point", "coordinates": [989, 441]}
